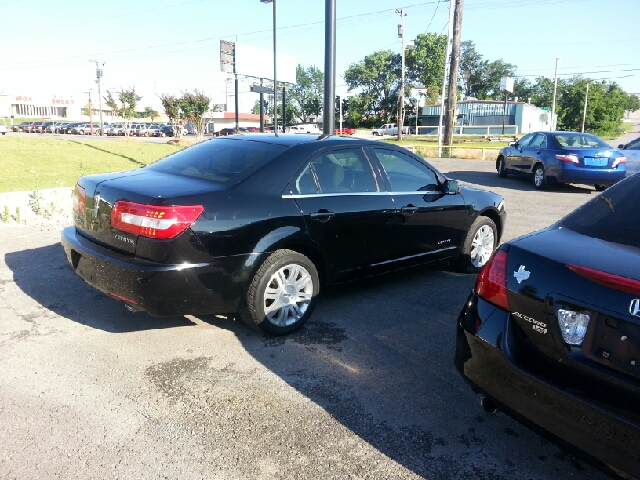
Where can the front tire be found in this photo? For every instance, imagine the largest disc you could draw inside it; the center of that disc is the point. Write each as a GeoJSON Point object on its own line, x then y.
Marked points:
{"type": "Point", "coordinates": [282, 295]}
{"type": "Point", "coordinates": [479, 244]}
{"type": "Point", "coordinates": [502, 172]}
{"type": "Point", "coordinates": [539, 180]}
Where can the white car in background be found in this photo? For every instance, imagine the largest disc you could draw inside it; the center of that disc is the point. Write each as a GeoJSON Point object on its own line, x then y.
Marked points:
{"type": "Point", "coordinates": [631, 151]}
{"type": "Point", "coordinates": [3, 129]}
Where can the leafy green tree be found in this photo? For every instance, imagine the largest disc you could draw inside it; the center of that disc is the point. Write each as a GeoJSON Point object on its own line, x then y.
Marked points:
{"type": "Point", "coordinates": [126, 105]}
{"type": "Point", "coordinates": [481, 78]}
{"type": "Point", "coordinates": [150, 113]}
{"type": "Point", "coordinates": [307, 94]}
{"type": "Point", "coordinates": [193, 106]}
{"type": "Point", "coordinates": [171, 105]}
{"type": "Point", "coordinates": [377, 77]}
{"type": "Point", "coordinates": [425, 63]}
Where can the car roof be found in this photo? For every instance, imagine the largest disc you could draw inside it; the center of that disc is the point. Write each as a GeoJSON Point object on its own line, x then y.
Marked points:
{"type": "Point", "coordinates": [291, 139]}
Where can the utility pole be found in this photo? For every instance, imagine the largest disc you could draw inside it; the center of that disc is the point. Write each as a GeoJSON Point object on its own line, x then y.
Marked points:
{"type": "Point", "coordinates": [553, 104]}
{"type": "Point", "coordinates": [445, 76]}
{"type": "Point", "coordinates": [401, 104]}
{"type": "Point", "coordinates": [452, 95]}
{"type": "Point", "coordinates": [329, 100]}
{"type": "Point", "coordinates": [98, 78]}
{"type": "Point", "coordinates": [584, 113]}
{"type": "Point", "coordinates": [90, 113]}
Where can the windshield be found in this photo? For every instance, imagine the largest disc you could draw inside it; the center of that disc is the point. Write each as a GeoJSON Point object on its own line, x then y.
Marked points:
{"type": "Point", "coordinates": [612, 216]}
{"type": "Point", "coordinates": [580, 140]}
{"type": "Point", "coordinates": [220, 160]}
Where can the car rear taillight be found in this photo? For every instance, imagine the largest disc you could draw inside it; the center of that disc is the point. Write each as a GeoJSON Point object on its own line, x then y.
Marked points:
{"type": "Point", "coordinates": [570, 158]}
{"type": "Point", "coordinates": [619, 161]}
{"type": "Point", "coordinates": [491, 283]}
{"type": "Point", "coordinates": [79, 200]}
{"type": "Point", "coordinates": [616, 282]}
{"type": "Point", "coordinates": [153, 221]}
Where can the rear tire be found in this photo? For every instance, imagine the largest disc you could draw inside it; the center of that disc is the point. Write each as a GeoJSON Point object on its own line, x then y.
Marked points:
{"type": "Point", "coordinates": [480, 243]}
{"type": "Point", "coordinates": [539, 180]}
{"type": "Point", "coordinates": [501, 168]}
{"type": "Point", "coordinates": [282, 295]}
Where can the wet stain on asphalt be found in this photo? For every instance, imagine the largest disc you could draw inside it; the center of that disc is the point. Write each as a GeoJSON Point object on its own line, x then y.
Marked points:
{"type": "Point", "coordinates": [320, 333]}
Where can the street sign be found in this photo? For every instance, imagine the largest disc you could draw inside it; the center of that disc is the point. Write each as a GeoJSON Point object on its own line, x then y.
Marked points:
{"type": "Point", "coordinates": [227, 56]}
{"type": "Point", "coordinates": [546, 109]}
{"type": "Point", "coordinates": [260, 89]}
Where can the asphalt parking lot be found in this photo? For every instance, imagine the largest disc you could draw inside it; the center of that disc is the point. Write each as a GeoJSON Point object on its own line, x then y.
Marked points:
{"type": "Point", "coordinates": [366, 390]}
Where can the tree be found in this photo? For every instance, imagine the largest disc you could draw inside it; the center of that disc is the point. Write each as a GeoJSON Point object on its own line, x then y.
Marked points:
{"type": "Point", "coordinates": [307, 93]}
{"type": "Point", "coordinates": [193, 106]}
{"type": "Point", "coordinates": [149, 113]}
{"type": "Point", "coordinates": [425, 63]}
{"type": "Point", "coordinates": [378, 79]}
{"type": "Point", "coordinates": [126, 108]}
{"type": "Point", "coordinates": [480, 78]}
{"type": "Point", "coordinates": [171, 106]}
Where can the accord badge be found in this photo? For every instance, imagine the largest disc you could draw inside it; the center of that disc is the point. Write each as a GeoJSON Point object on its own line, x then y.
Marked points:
{"type": "Point", "coordinates": [521, 274]}
{"type": "Point", "coordinates": [634, 308]}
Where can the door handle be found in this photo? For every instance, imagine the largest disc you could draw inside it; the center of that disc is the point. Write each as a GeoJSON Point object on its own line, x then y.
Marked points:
{"type": "Point", "coordinates": [408, 210]}
{"type": "Point", "coordinates": [321, 215]}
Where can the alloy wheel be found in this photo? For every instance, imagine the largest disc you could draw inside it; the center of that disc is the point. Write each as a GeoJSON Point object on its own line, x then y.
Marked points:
{"type": "Point", "coordinates": [482, 246]}
{"type": "Point", "coordinates": [288, 295]}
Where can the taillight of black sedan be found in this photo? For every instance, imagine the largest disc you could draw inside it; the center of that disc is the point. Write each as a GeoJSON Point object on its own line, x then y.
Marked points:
{"type": "Point", "coordinates": [551, 333]}
{"type": "Point", "coordinates": [257, 224]}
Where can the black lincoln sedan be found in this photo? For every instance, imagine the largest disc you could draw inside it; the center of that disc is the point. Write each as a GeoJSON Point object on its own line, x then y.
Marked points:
{"type": "Point", "coordinates": [258, 224]}
{"type": "Point", "coordinates": [551, 333]}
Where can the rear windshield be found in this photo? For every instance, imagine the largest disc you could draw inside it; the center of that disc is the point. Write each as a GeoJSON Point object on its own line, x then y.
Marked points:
{"type": "Point", "coordinates": [614, 215]}
{"type": "Point", "coordinates": [219, 160]}
{"type": "Point", "coordinates": [580, 140]}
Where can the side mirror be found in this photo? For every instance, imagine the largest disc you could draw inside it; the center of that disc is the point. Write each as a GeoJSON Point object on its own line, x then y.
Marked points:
{"type": "Point", "coordinates": [621, 146]}
{"type": "Point", "coordinates": [452, 187]}
{"type": "Point", "coordinates": [513, 144]}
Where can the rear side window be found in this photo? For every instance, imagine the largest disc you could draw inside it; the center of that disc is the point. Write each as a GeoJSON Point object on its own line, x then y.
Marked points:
{"type": "Point", "coordinates": [223, 161]}
{"type": "Point", "coordinates": [612, 216]}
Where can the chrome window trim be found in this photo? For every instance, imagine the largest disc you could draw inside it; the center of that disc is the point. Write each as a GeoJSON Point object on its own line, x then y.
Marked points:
{"type": "Point", "coordinates": [358, 194]}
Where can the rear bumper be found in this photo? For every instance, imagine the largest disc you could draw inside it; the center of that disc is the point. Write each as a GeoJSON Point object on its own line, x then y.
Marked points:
{"type": "Point", "coordinates": [486, 361]}
{"type": "Point", "coordinates": [572, 174]}
{"type": "Point", "coordinates": [215, 287]}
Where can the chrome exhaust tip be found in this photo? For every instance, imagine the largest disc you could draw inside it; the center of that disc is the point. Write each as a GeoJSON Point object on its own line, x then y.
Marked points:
{"type": "Point", "coordinates": [489, 405]}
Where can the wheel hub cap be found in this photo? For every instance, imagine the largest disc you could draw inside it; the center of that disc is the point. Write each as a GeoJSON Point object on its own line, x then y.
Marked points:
{"type": "Point", "coordinates": [288, 295]}
{"type": "Point", "coordinates": [482, 246]}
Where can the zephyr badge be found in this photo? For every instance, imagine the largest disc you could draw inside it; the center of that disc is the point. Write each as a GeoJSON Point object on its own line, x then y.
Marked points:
{"type": "Point", "coordinates": [521, 274]}
{"type": "Point", "coordinates": [634, 308]}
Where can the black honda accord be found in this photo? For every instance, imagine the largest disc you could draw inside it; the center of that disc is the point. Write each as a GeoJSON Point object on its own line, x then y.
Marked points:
{"type": "Point", "coordinates": [257, 224]}
{"type": "Point", "coordinates": [551, 333]}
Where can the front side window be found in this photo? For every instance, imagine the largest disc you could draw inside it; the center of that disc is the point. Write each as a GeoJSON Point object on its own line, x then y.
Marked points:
{"type": "Point", "coordinates": [406, 174]}
{"type": "Point", "coordinates": [612, 216]}
{"type": "Point", "coordinates": [526, 140]}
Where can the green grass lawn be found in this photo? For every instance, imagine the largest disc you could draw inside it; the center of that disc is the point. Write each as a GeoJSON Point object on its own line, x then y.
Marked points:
{"type": "Point", "coordinates": [28, 164]}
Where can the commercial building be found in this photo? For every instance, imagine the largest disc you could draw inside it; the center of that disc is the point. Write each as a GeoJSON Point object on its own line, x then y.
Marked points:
{"type": "Point", "coordinates": [487, 117]}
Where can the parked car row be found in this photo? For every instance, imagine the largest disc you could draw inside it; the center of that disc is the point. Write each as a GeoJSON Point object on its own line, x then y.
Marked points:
{"type": "Point", "coordinates": [86, 128]}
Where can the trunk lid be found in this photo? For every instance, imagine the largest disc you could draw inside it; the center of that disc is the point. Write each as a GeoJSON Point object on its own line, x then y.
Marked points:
{"type": "Point", "coordinates": [551, 285]}
{"type": "Point", "coordinates": [143, 186]}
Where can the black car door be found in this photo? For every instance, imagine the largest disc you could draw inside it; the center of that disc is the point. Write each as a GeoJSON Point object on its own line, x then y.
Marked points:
{"type": "Point", "coordinates": [347, 213]}
{"type": "Point", "coordinates": [431, 221]}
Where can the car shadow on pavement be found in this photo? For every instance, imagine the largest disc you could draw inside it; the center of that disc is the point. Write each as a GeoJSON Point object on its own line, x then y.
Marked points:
{"type": "Point", "coordinates": [45, 275]}
{"type": "Point", "coordinates": [377, 356]}
{"type": "Point", "coordinates": [514, 182]}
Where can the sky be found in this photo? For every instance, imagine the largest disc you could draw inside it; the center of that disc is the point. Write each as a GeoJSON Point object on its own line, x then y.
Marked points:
{"type": "Point", "coordinates": [167, 47]}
